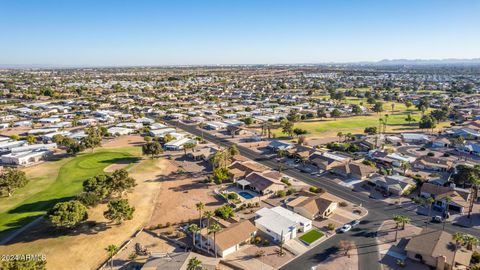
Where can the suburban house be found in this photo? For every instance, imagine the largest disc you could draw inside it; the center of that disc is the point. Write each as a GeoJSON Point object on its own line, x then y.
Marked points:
{"type": "Point", "coordinates": [178, 144]}
{"type": "Point", "coordinates": [326, 161]}
{"type": "Point", "coordinates": [392, 184]}
{"type": "Point", "coordinates": [261, 183]}
{"type": "Point", "coordinates": [354, 170]}
{"type": "Point", "coordinates": [434, 248]}
{"type": "Point", "coordinates": [280, 222]}
{"type": "Point", "coordinates": [312, 207]}
{"type": "Point", "coordinates": [432, 163]}
{"type": "Point", "coordinates": [240, 169]}
{"type": "Point", "coordinates": [415, 138]}
{"type": "Point", "coordinates": [232, 238]}
{"type": "Point", "coordinates": [202, 154]}
{"type": "Point", "coordinates": [460, 197]}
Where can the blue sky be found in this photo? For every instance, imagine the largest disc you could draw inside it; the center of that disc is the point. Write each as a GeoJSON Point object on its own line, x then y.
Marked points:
{"type": "Point", "coordinates": [111, 33]}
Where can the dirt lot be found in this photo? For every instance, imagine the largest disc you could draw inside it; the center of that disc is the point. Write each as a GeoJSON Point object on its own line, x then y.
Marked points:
{"type": "Point", "coordinates": [178, 196]}
{"type": "Point", "coordinates": [124, 141]}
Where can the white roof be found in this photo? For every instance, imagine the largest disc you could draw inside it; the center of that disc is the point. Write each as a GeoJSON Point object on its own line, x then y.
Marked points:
{"type": "Point", "coordinates": [179, 142]}
{"type": "Point", "coordinates": [279, 219]}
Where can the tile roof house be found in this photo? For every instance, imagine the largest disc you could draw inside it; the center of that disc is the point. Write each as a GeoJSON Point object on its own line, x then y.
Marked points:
{"type": "Point", "coordinates": [432, 163]}
{"type": "Point", "coordinates": [312, 207]}
{"type": "Point", "coordinates": [178, 261]}
{"type": "Point", "coordinates": [232, 238]}
{"type": "Point", "coordinates": [262, 184]}
{"type": "Point", "coordinates": [354, 170]}
{"type": "Point", "coordinates": [435, 248]}
{"type": "Point", "coordinates": [460, 197]}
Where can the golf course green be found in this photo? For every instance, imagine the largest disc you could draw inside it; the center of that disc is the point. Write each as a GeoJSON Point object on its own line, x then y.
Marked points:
{"type": "Point", "coordinates": [62, 181]}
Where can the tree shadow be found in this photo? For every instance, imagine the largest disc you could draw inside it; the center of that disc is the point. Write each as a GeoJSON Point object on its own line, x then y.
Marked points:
{"type": "Point", "coordinates": [122, 160]}
{"type": "Point", "coordinates": [38, 206]}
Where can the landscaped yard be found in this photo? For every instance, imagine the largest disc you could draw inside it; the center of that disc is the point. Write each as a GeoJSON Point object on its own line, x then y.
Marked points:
{"type": "Point", "coordinates": [311, 236]}
{"type": "Point", "coordinates": [52, 182]}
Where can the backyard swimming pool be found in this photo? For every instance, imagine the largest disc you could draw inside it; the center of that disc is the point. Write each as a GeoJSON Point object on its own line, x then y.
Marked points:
{"type": "Point", "coordinates": [245, 195]}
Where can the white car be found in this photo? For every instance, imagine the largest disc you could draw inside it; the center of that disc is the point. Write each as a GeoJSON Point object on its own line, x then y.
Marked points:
{"type": "Point", "coordinates": [346, 228]}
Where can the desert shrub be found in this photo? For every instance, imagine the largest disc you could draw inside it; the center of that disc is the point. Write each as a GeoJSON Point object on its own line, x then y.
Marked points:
{"type": "Point", "coordinates": [343, 204]}
{"type": "Point", "coordinates": [330, 226]}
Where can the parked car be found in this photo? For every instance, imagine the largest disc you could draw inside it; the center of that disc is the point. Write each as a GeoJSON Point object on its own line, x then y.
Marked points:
{"type": "Point", "coordinates": [354, 223]}
{"type": "Point", "coordinates": [345, 228]}
{"type": "Point", "coordinates": [437, 219]}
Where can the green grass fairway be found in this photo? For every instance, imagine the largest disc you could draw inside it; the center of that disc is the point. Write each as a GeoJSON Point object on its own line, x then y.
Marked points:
{"type": "Point", "coordinates": [311, 236]}
{"type": "Point", "coordinates": [42, 193]}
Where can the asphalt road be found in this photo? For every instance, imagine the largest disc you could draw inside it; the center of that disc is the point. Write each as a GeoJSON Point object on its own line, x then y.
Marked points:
{"type": "Point", "coordinates": [378, 211]}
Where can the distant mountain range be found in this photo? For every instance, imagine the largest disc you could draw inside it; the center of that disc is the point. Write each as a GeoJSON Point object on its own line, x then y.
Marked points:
{"type": "Point", "coordinates": [448, 61]}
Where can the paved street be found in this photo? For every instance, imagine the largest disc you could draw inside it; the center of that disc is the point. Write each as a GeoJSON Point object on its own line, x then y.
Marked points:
{"type": "Point", "coordinates": [363, 236]}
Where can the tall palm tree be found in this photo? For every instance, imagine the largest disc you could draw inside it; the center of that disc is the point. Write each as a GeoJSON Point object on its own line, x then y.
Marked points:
{"type": "Point", "coordinates": [194, 229]}
{"type": "Point", "coordinates": [475, 182]}
{"type": "Point", "coordinates": [396, 218]}
{"type": "Point", "coordinates": [200, 206]}
{"type": "Point", "coordinates": [459, 241]}
{"type": "Point", "coordinates": [209, 215]}
{"type": "Point", "coordinates": [215, 228]}
{"type": "Point", "coordinates": [111, 249]}
{"type": "Point", "coordinates": [429, 203]}
{"type": "Point", "coordinates": [448, 200]}
{"type": "Point", "coordinates": [194, 263]}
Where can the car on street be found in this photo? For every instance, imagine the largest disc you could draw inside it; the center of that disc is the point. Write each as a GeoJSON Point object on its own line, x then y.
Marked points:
{"type": "Point", "coordinates": [437, 219]}
{"type": "Point", "coordinates": [345, 228]}
{"type": "Point", "coordinates": [354, 223]}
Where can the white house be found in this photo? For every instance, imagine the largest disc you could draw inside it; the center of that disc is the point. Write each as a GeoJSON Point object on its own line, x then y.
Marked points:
{"type": "Point", "coordinates": [119, 131]}
{"type": "Point", "coordinates": [178, 144]}
{"type": "Point", "coordinates": [25, 158]}
{"type": "Point", "coordinates": [278, 221]}
{"type": "Point", "coordinates": [160, 133]}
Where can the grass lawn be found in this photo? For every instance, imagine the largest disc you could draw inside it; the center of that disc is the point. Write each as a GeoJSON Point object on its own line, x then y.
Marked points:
{"type": "Point", "coordinates": [53, 182]}
{"type": "Point", "coordinates": [311, 236]}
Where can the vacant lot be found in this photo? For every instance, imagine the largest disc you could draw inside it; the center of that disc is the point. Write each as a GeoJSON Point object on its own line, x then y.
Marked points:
{"type": "Point", "coordinates": [53, 182]}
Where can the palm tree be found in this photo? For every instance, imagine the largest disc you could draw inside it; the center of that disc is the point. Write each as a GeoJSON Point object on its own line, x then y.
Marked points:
{"type": "Point", "coordinates": [475, 182]}
{"type": "Point", "coordinates": [214, 228]}
{"type": "Point", "coordinates": [200, 206]}
{"type": "Point", "coordinates": [209, 215]}
{"type": "Point", "coordinates": [111, 249]}
{"type": "Point", "coordinates": [396, 218]}
{"type": "Point", "coordinates": [189, 145]}
{"type": "Point", "coordinates": [470, 241]}
{"type": "Point", "coordinates": [429, 202]}
{"type": "Point", "coordinates": [194, 263]}
{"type": "Point", "coordinates": [385, 123]}
{"type": "Point", "coordinates": [405, 166]}
{"type": "Point", "coordinates": [448, 200]}
{"type": "Point", "coordinates": [459, 241]}
{"type": "Point", "coordinates": [339, 135]}
{"type": "Point", "coordinates": [194, 229]}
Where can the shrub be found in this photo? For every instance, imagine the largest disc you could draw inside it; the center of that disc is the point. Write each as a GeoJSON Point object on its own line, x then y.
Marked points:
{"type": "Point", "coordinates": [343, 204]}
{"type": "Point", "coordinates": [313, 189]}
{"type": "Point", "coordinates": [281, 193]}
{"type": "Point", "coordinates": [266, 242]}
{"type": "Point", "coordinates": [286, 181]}
{"type": "Point", "coordinates": [475, 257]}
{"type": "Point", "coordinates": [224, 212]}
{"type": "Point", "coordinates": [446, 154]}
{"type": "Point", "coordinates": [330, 226]}
{"type": "Point", "coordinates": [290, 191]}
{"type": "Point", "coordinates": [258, 240]}
{"type": "Point", "coordinates": [232, 196]}
{"type": "Point", "coordinates": [430, 154]}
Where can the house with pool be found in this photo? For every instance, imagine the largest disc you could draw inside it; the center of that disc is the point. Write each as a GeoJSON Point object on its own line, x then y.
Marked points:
{"type": "Point", "coordinates": [260, 183]}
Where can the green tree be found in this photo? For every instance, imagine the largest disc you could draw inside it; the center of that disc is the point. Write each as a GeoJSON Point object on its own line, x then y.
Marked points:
{"type": "Point", "coordinates": [93, 138]}
{"type": "Point", "coordinates": [152, 149]}
{"type": "Point", "coordinates": [112, 250]}
{"type": "Point", "coordinates": [120, 181]}
{"type": "Point", "coordinates": [31, 139]}
{"type": "Point", "coordinates": [215, 228]}
{"type": "Point", "coordinates": [220, 175]}
{"type": "Point", "coordinates": [408, 104]}
{"type": "Point", "coordinates": [23, 265]}
{"type": "Point", "coordinates": [119, 210]}
{"type": "Point", "coordinates": [68, 214]}
{"type": "Point", "coordinates": [356, 109]}
{"type": "Point", "coordinates": [187, 146]}
{"type": "Point", "coordinates": [335, 113]}
{"type": "Point", "coordinates": [287, 127]}
{"type": "Point", "coordinates": [209, 215]}
{"type": "Point", "coordinates": [378, 107]}
{"type": "Point", "coordinates": [427, 122]}
{"type": "Point", "coordinates": [200, 207]}
{"type": "Point", "coordinates": [410, 119]}
{"type": "Point", "coordinates": [194, 229]}
{"type": "Point", "coordinates": [194, 264]}
{"type": "Point", "coordinates": [225, 212]}
{"type": "Point", "coordinates": [12, 179]}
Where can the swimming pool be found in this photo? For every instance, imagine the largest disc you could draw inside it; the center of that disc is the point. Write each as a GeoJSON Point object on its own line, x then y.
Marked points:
{"type": "Point", "coordinates": [245, 195]}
